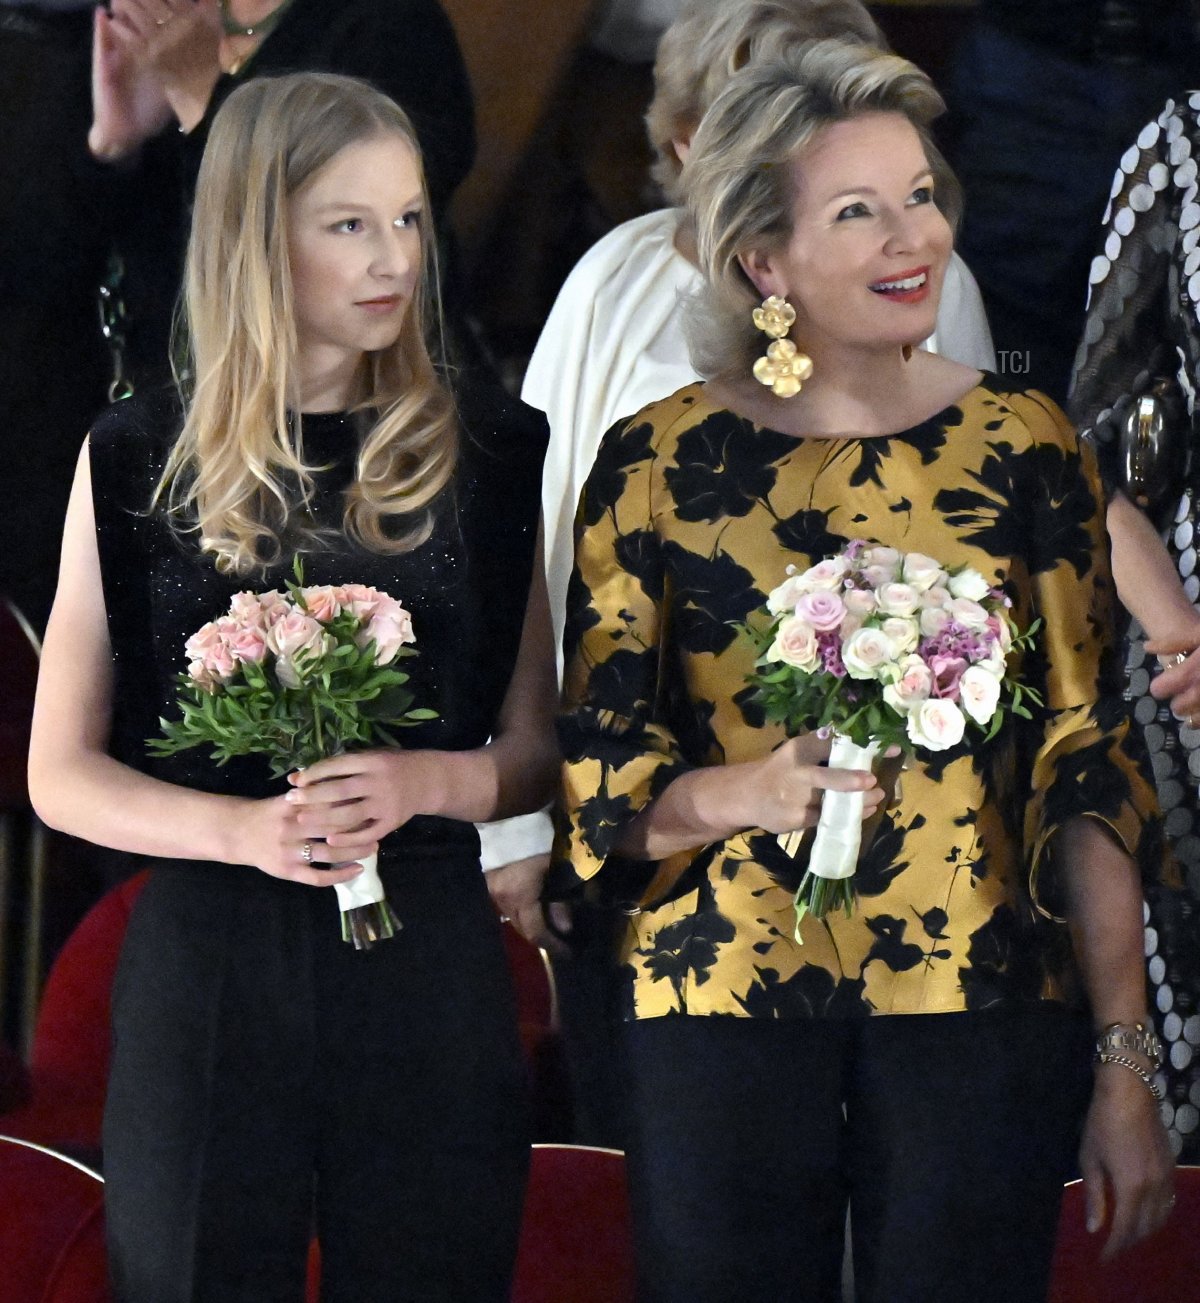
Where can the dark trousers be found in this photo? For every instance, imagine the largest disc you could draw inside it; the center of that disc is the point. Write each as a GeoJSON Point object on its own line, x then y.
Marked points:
{"type": "Point", "coordinates": [949, 1134]}
{"type": "Point", "coordinates": [268, 1081]}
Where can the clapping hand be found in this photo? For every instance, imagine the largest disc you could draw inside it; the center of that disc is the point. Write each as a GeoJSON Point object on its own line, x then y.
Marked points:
{"type": "Point", "coordinates": [152, 59]}
{"type": "Point", "coordinates": [128, 102]}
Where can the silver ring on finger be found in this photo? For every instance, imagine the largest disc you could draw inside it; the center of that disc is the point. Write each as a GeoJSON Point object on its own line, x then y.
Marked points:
{"type": "Point", "coordinates": [306, 852]}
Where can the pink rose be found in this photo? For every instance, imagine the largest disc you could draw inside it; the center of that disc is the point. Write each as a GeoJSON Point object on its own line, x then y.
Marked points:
{"type": "Point", "coordinates": [208, 647]}
{"type": "Point", "coordinates": [795, 644]}
{"type": "Point", "coordinates": [321, 603]}
{"type": "Point", "coordinates": [390, 628]}
{"type": "Point", "coordinates": [248, 644]}
{"type": "Point", "coordinates": [824, 610]}
{"type": "Point", "coordinates": [946, 671]}
{"type": "Point", "coordinates": [202, 641]}
{"type": "Point", "coordinates": [912, 687]}
{"type": "Point", "coordinates": [297, 640]}
{"type": "Point", "coordinates": [199, 673]}
{"type": "Point", "coordinates": [935, 725]}
{"type": "Point", "coordinates": [246, 610]}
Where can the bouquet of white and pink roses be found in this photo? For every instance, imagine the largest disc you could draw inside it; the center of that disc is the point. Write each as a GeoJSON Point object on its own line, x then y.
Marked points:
{"type": "Point", "coordinates": [882, 649]}
{"type": "Point", "coordinates": [298, 676]}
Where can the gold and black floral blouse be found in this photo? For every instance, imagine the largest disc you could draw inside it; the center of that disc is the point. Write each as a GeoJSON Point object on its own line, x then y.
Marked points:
{"type": "Point", "coordinates": [690, 516]}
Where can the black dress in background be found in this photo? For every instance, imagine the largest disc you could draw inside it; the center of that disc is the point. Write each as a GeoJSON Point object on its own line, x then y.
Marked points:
{"type": "Point", "coordinates": [53, 363]}
{"type": "Point", "coordinates": [1143, 323]}
{"type": "Point", "coordinates": [405, 48]}
{"type": "Point", "coordinates": [252, 1046]}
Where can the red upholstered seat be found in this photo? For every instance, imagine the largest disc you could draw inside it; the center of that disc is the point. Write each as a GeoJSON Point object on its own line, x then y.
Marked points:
{"type": "Point", "coordinates": [576, 1245]}
{"type": "Point", "coordinates": [69, 1066]}
{"type": "Point", "coordinates": [1162, 1269]}
{"type": "Point", "coordinates": [537, 1020]}
{"type": "Point", "coordinates": [51, 1228]}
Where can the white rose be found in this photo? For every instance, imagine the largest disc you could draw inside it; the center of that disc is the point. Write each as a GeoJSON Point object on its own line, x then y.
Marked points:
{"type": "Point", "coordinates": [785, 597]}
{"type": "Point", "coordinates": [922, 572]}
{"type": "Point", "coordinates": [887, 558]}
{"type": "Point", "coordinates": [795, 644]}
{"type": "Point", "coordinates": [979, 692]}
{"type": "Point", "coordinates": [897, 599]}
{"type": "Point", "coordinates": [825, 574]}
{"type": "Point", "coordinates": [859, 601]}
{"type": "Point", "coordinates": [877, 576]}
{"type": "Point", "coordinates": [867, 653]}
{"type": "Point", "coordinates": [903, 632]}
{"type": "Point", "coordinates": [970, 584]}
{"type": "Point", "coordinates": [968, 613]}
{"type": "Point", "coordinates": [936, 724]}
{"type": "Point", "coordinates": [938, 595]}
{"type": "Point", "coordinates": [1004, 634]}
{"type": "Point", "coordinates": [933, 619]}
{"type": "Point", "coordinates": [911, 688]}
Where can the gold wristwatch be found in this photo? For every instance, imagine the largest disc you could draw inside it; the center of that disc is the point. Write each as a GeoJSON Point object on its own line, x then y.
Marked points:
{"type": "Point", "coordinates": [1131, 1037]}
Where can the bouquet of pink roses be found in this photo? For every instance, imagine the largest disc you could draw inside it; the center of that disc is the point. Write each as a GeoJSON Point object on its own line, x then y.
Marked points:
{"type": "Point", "coordinates": [881, 648]}
{"type": "Point", "coordinates": [298, 676]}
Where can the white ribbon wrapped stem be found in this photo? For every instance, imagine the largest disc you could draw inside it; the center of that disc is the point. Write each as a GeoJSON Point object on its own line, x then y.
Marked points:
{"type": "Point", "coordinates": [366, 889]}
{"type": "Point", "coordinates": [839, 828]}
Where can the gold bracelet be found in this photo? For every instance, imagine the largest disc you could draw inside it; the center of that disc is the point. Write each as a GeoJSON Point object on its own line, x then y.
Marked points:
{"type": "Point", "coordinates": [1135, 1067]}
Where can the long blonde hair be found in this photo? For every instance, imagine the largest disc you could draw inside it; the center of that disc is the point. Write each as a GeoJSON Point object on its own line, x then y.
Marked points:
{"type": "Point", "coordinates": [237, 471]}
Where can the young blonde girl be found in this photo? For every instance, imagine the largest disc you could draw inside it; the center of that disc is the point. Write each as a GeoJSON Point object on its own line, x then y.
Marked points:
{"type": "Point", "coordinates": [264, 1072]}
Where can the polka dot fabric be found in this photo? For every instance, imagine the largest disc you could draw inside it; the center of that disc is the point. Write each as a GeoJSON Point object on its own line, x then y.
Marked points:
{"type": "Point", "coordinates": [1143, 322]}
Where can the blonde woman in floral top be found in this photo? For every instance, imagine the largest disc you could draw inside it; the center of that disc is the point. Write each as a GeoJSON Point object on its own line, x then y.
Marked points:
{"type": "Point", "coordinates": [771, 1079]}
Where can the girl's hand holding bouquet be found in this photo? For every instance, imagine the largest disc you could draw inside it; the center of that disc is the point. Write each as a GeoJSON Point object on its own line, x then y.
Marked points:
{"type": "Point", "coordinates": [881, 649]}
{"type": "Point", "coordinates": [300, 677]}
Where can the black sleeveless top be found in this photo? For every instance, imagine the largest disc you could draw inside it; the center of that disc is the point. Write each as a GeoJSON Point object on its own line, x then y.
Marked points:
{"type": "Point", "coordinates": [466, 585]}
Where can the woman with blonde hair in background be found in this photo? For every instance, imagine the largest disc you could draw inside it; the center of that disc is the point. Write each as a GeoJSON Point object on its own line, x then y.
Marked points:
{"type": "Point", "coordinates": [926, 1057]}
{"type": "Point", "coordinates": [266, 1077]}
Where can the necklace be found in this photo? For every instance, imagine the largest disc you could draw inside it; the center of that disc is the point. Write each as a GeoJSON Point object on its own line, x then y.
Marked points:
{"type": "Point", "coordinates": [231, 27]}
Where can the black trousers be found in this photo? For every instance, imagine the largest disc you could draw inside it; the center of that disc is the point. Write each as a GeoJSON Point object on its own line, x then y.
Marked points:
{"type": "Point", "coordinates": [268, 1081]}
{"type": "Point", "coordinates": [949, 1134]}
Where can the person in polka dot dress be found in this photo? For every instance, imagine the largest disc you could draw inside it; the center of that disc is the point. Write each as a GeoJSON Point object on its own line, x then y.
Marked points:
{"type": "Point", "coordinates": [1142, 339]}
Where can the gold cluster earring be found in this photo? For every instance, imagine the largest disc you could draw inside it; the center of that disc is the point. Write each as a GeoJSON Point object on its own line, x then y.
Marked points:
{"type": "Point", "coordinates": [784, 368]}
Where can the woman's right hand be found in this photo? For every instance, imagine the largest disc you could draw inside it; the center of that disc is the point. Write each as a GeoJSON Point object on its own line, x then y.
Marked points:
{"type": "Point", "coordinates": [128, 102]}
{"type": "Point", "coordinates": [267, 835]}
{"type": "Point", "coordinates": [782, 792]}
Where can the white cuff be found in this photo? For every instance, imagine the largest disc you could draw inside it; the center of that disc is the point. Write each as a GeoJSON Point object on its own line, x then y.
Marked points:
{"type": "Point", "coordinates": [519, 838]}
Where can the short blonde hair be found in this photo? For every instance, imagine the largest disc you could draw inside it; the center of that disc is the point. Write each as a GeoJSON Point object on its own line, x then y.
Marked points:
{"type": "Point", "coordinates": [739, 181]}
{"type": "Point", "coordinates": [713, 39]}
{"type": "Point", "coordinates": [237, 473]}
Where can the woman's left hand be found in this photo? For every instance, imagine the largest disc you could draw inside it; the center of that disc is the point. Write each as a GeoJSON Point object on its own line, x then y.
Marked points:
{"type": "Point", "coordinates": [365, 792]}
{"type": "Point", "coordinates": [179, 41]}
{"type": "Point", "coordinates": [1125, 1156]}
